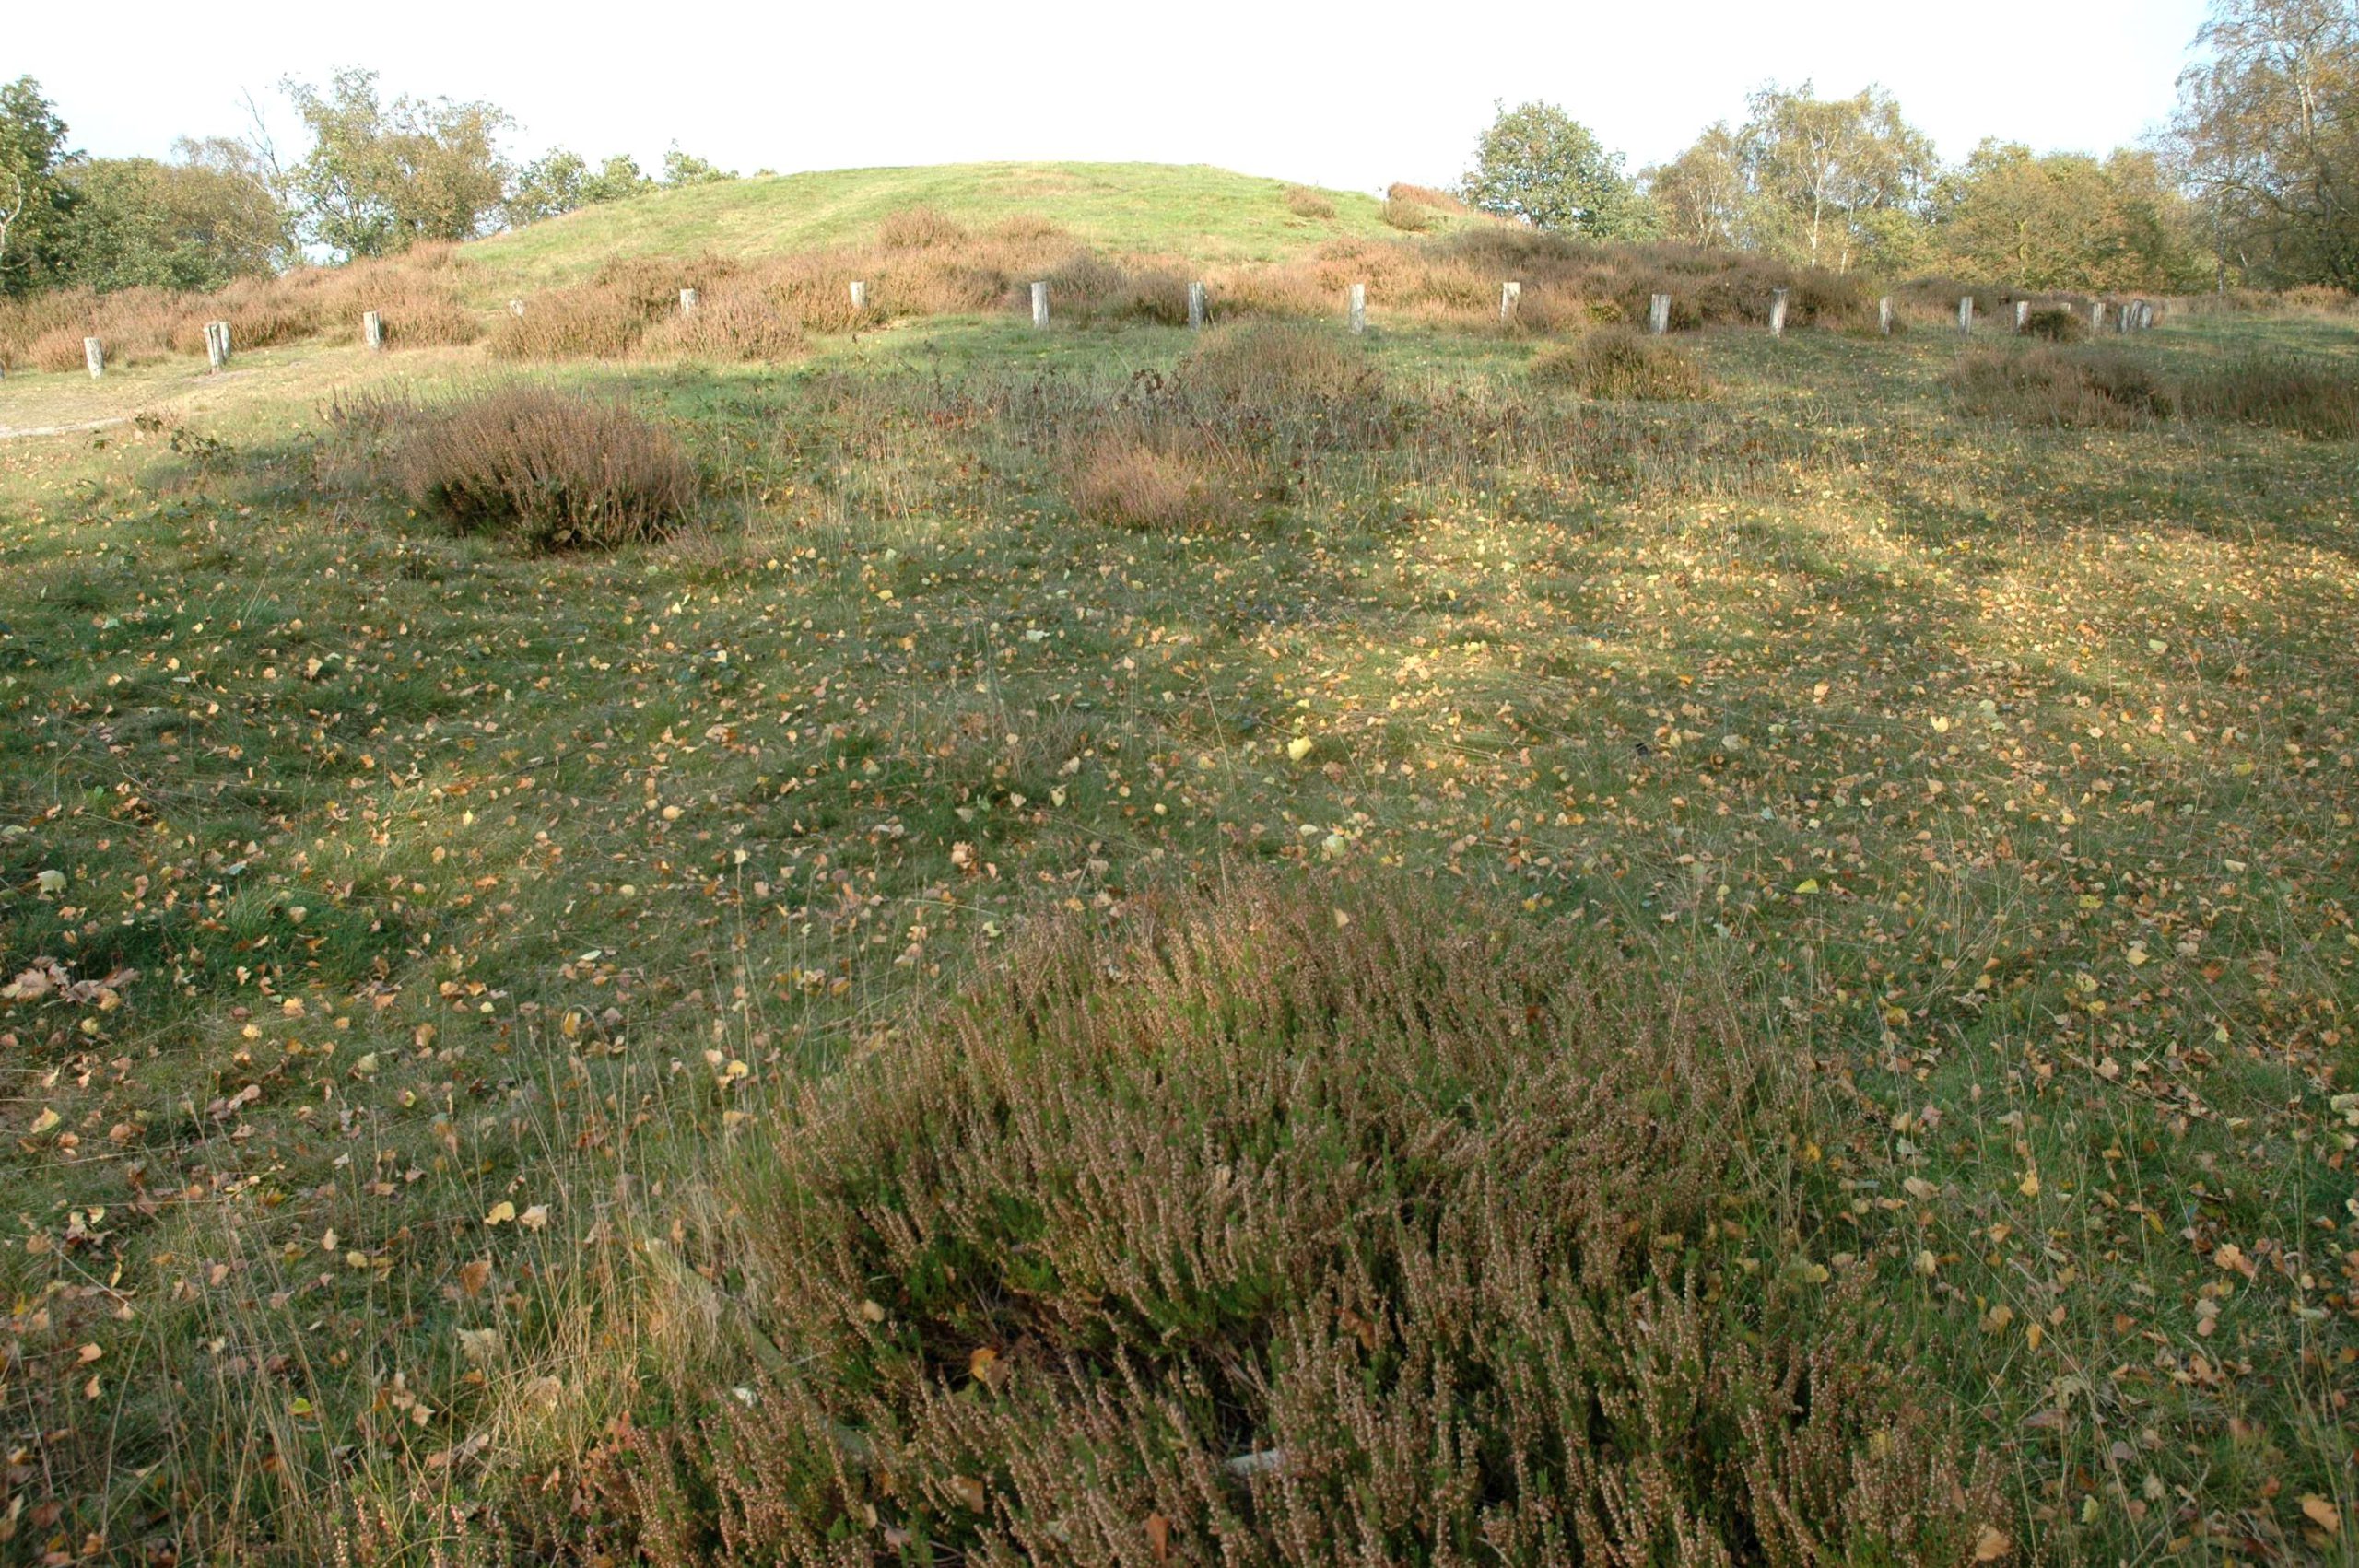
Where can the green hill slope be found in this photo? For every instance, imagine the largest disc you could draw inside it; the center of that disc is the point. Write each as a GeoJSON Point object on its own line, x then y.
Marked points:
{"type": "Point", "coordinates": [1208, 214]}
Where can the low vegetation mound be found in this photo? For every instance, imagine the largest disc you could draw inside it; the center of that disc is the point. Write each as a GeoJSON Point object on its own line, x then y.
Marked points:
{"type": "Point", "coordinates": [1268, 365]}
{"type": "Point", "coordinates": [1622, 364]}
{"type": "Point", "coordinates": [2054, 324]}
{"type": "Point", "coordinates": [1267, 1232]}
{"type": "Point", "coordinates": [2085, 388]}
{"type": "Point", "coordinates": [2290, 392]}
{"type": "Point", "coordinates": [555, 470]}
{"type": "Point", "coordinates": [417, 295]}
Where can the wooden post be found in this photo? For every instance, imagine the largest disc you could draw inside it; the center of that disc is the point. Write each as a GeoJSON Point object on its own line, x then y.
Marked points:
{"type": "Point", "coordinates": [94, 355]}
{"type": "Point", "coordinates": [1777, 313]}
{"type": "Point", "coordinates": [1884, 315]}
{"type": "Point", "coordinates": [2096, 315]}
{"type": "Point", "coordinates": [2023, 314]}
{"type": "Point", "coordinates": [1195, 307]}
{"type": "Point", "coordinates": [2145, 315]}
{"type": "Point", "coordinates": [859, 296]}
{"type": "Point", "coordinates": [1511, 294]}
{"type": "Point", "coordinates": [687, 301]}
{"type": "Point", "coordinates": [1659, 314]}
{"type": "Point", "coordinates": [515, 307]}
{"type": "Point", "coordinates": [372, 331]}
{"type": "Point", "coordinates": [1359, 306]}
{"type": "Point", "coordinates": [1965, 314]}
{"type": "Point", "coordinates": [1040, 304]}
{"type": "Point", "coordinates": [217, 344]}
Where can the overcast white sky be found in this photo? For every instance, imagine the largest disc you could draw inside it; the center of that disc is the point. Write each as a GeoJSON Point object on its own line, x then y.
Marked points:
{"type": "Point", "coordinates": [1345, 96]}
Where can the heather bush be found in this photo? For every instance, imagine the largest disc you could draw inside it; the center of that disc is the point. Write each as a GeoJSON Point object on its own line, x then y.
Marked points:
{"type": "Point", "coordinates": [1153, 479]}
{"type": "Point", "coordinates": [919, 229]}
{"type": "Point", "coordinates": [2079, 388]}
{"type": "Point", "coordinates": [555, 470]}
{"type": "Point", "coordinates": [1622, 364]}
{"type": "Point", "coordinates": [1270, 364]}
{"type": "Point", "coordinates": [1410, 217]}
{"type": "Point", "coordinates": [2308, 396]}
{"type": "Point", "coordinates": [1271, 1231]}
{"type": "Point", "coordinates": [2056, 323]}
{"type": "Point", "coordinates": [1304, 201]}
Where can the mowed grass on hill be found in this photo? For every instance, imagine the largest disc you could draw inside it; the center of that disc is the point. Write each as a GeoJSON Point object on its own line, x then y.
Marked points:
{"type": "Point", "coordinates": [1138, 948]}
{"type": "Point", "coordinates": [1207, 214]}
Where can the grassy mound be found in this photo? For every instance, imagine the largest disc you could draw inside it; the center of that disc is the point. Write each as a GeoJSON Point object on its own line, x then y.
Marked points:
{"type": "Point", "coordinates": [1275, 1232]}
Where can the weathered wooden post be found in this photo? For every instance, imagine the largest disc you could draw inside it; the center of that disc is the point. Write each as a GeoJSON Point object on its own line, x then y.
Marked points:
{"type": "Point", "coordinates": [1195, 307]}
{"type": "Point", "coordinates": [859, 296]}
{"type": "Point", "coordinates": [1965, 314]}
{"type": "Point", "coordinates": [217, 344]}
{"type": "Point", "coordinates": [515, 307]}
{"type": "Point", "coordinates": [372, 331]}
{"type": "Point", "coordinates": [1040, 304]}
{"type": "Point", "coordinates": [1777, 312]}
{"type": "Point", "coordinates": [1659, 314]}
{"type": "Point", "coordinates": [1511, 294]}
{"type": "Point", "coordinates": [1884, 315]}
{"type": "Point", "coordinates": [94, 355]}
{"type": "Point", "coordinates": [2096, 315]}
{"type": "Point", "coordinates": [1359, 306]}
{"type": "Point", "coordinates": [687, 301]}
{"type": "Point", "coordinates": [2023, 314]}
{"type": "Point", "coordinates": [2145, 315]}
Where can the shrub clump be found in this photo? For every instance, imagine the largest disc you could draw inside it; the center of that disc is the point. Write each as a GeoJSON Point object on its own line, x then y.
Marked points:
{"type": "Point", "coordinates": [1151, 481]}
{"type": "Point", "coordinates": [1304, 201]}
{"type": "Point", "coordinates": [2290, 392]}
{"type": "Point", "coordinates": [2054, 324]}
{"type": "Point", "coordinates": [1622, 364]}
{"type": "Point", "coordinates": [555, 470]}
{"type": "Point", "coordinates": [2071, 389]}
{"type": "Point", "coordinates": [1297, 1240]}
{"type": "Point", "coordinates": [1269, 365]}
{"type": "Point", "coordinates": [920, 229]}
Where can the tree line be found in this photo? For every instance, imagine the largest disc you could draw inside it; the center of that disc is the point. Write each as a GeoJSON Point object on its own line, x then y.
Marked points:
{"type": "Point", "coordinates": [377, 176]}
{"type": "Point", "coordinates": [2254, 183]}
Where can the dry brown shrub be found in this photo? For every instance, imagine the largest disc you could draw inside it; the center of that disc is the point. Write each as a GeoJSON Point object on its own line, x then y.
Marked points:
{"type": "Point", "coordinates": [1424, 196]}
{"type": "Point", "coordinates": [1622, 364]}
{"type": "Point", "coordinates": [1154, 479]}
{"type": "Point", "coordinates": [1270, 365]}
{"type": "Point", "coordinates": [2067, 388]}
{"type": "Point", "coordinates": [1258, 1233]}
{"type": "Point", "coordinates": [2310, 397]}
{"type": "Point", "coordinates": [1410, 217]}
{"type": "Point", "coordinates": [587, 322]}
{"type": "Point", "coordinates": [1304, 201]}
{"type": "Point", "coordinates": [919, 229]}
{"type": "Point", "coordinates": [553, 470]}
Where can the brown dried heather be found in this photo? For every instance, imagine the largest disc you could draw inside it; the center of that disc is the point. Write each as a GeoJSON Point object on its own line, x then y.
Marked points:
{"type": "Point", "coordinates": [1262, 1232]}
{"type": "Point", "coordinates": [2070, 388]}
{"type": "Point", "coordinates": [1621, 364]}
{"type": "Point", "coordinates": [555, 470]}
{"type": "Point", "coordinates": [415, 293]}
{"type": "Point", "coordinates": [2308, 396]}
{"type": "Point", "coordinates": [918, 229]}
{"type": "Point", "coordinates": [1268, 366]}
{"type": "Point", "coordinates": [1146, 477]}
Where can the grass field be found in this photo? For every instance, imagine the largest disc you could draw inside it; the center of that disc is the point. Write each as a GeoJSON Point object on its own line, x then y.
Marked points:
{"type": "Point", "coordinates": [456, 991]}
